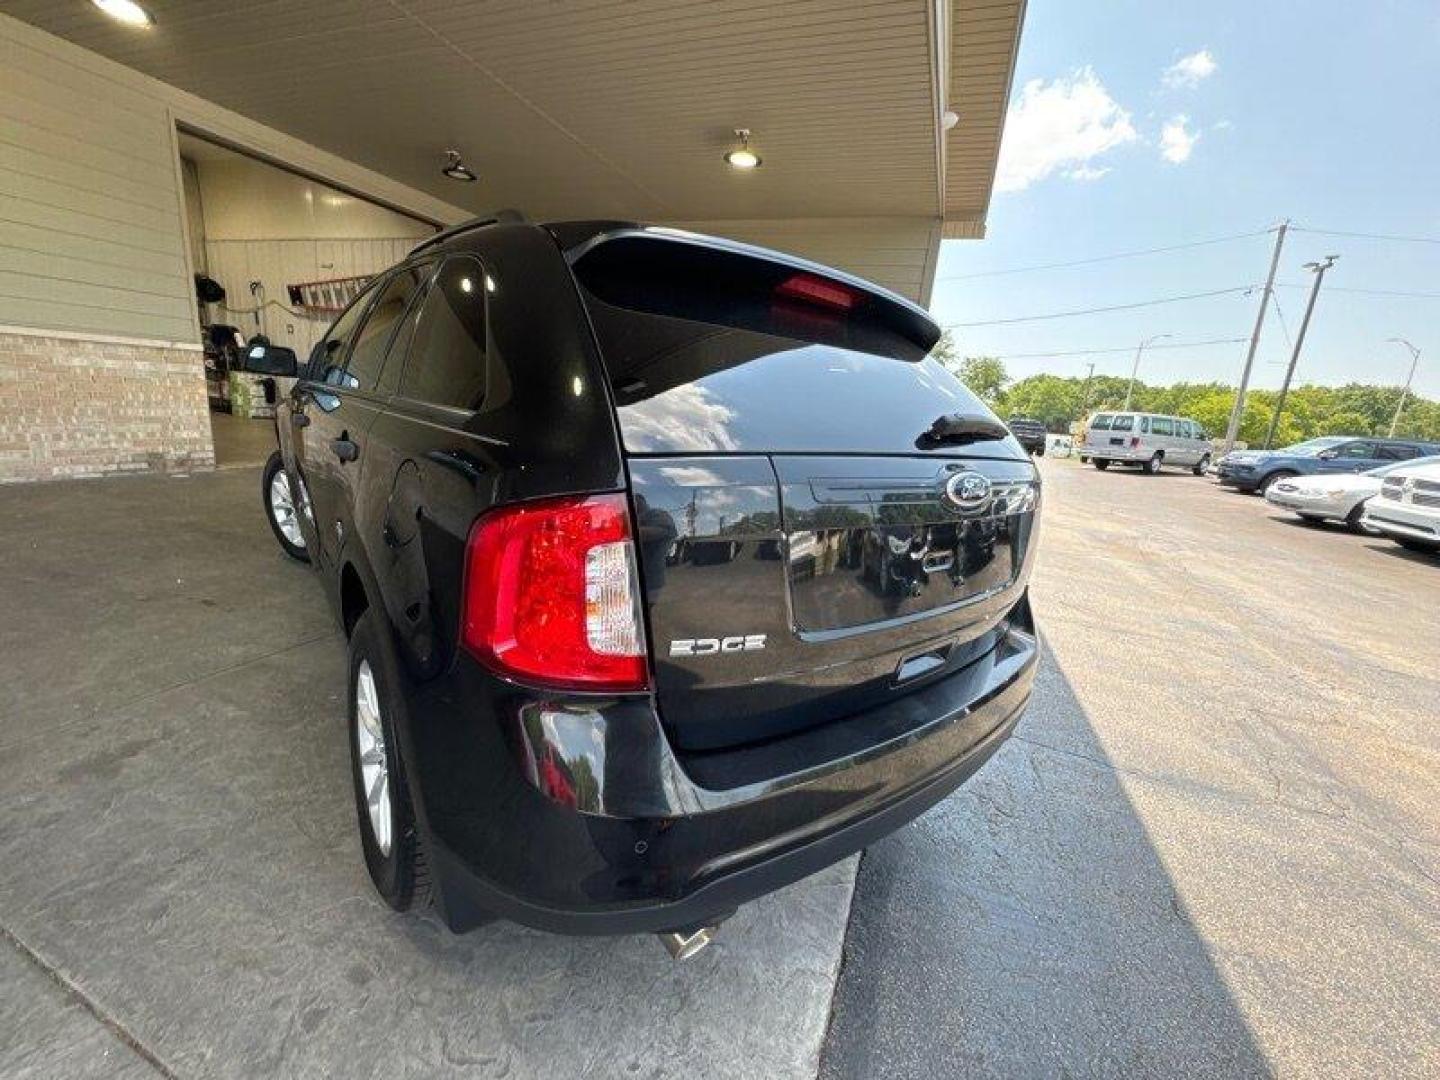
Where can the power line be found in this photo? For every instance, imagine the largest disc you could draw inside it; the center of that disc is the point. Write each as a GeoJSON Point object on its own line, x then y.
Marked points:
{"type": "Point", "coordinates": [1370, 236]}
{"type": "Point", "coordinates": [1099, 310]}
{"type": "Point", "coordinates": [1119, 349]}
{"type": "Point", "coordinates": [1101, 258]}
{"type": "Point", "coordinates": [1365, 292]}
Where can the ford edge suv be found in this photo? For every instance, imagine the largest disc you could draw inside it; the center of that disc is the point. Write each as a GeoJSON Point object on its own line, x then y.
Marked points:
{"type": "Point", "coordinates": [672, 570]}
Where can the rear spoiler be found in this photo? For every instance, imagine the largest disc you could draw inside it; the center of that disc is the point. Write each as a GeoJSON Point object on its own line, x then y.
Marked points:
{"type": "Point", "coordinates": [747, 280]}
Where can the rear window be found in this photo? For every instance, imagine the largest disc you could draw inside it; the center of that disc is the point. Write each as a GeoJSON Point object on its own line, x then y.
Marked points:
{"type": "Point", "coordinates": [711, 350]}
{"type": "Point", "coordinates": [1122, 423]}
{"type": "Point", "coordinates": [1100, 423]}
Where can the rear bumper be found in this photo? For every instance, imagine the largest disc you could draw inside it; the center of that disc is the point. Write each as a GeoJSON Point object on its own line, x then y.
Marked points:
{"type": "Point", "coordinates": [1117, 453]}
{"type": "Point", "coordinates": [576, 816]}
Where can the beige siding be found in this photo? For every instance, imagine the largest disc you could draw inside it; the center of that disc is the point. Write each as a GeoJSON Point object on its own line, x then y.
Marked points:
{"type": "Point", "coordinates": [898, 253]}
{"type": "Point", "coordinates": [91, 205]}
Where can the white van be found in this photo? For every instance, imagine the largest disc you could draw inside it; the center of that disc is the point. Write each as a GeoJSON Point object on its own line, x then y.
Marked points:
{"type": "Point", "coordinates": [1148, 440]}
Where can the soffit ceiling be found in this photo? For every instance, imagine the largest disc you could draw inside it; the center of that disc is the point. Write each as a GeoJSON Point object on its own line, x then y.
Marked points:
{"type": "Point", "coordinates": [598, 108]}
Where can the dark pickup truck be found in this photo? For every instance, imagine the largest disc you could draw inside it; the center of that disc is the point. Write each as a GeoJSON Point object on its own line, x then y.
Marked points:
{"type": "Point", "coordinates": [1028, 433]}
{"type": "Point", "coordinates": [672, 569]}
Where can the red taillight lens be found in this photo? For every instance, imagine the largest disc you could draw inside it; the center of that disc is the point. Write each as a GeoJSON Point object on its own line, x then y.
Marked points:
{"type": "Point", "coordinates": [552, 596]}
{"type": "Point", "coordinates": [1134, 440]}
{"type": "Point", "coordinates": [816, 290]}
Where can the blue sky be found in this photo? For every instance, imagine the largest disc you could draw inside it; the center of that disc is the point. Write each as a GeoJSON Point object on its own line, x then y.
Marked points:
{"type": "Point", "coordinates": [1137, 125]}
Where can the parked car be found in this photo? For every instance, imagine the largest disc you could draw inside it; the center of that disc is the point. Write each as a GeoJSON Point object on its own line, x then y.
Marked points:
{"type": "Point", "coordinates": [1408, 507]}
{"type": "Point", "coordinates": [1335, 496]}
{"type": "Point", "coordinates": [1148, 440]}
{"type": "Point", "coordinates": [520, 451]}
{"type": "Point", "coordinates": [1256, 470]}
{"type": "Point", "coordinates": [1028, 433]}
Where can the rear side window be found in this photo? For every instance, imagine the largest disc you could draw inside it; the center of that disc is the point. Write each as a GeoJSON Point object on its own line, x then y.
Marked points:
{"type": "Point", "coordinates": [1122, 423]}
{"type": "Point", "coordinates": [1100, 423]}
{"type": "Point", "coordinates": [1161, 425]}
{"type": "Point", "coordinates": [1397, 453]}
{"type": "Point", "coordinates": [1358, 450]}
{"type": "Point", "coordinates": [447, 354]}
{"type": "Point", "coordinates": [715, 350]}
{"type": "Point", "coordinates": [362, 370]}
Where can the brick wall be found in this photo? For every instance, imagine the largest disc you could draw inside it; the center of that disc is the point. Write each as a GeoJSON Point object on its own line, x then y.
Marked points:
{"type": "Point", "coordinates": [75, 407]}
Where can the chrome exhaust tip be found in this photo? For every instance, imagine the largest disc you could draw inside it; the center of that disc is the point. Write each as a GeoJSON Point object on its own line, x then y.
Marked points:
{"type": "Point", "coordinates": [683, 944]}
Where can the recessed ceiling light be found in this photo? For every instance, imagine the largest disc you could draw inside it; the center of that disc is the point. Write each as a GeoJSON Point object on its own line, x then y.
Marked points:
{"type": "Point", "coordinates": [456, 169]}
{"type": "Point", "coordinates": [742, 157]}
{"type": "Point", "coordinates": [126, 11]}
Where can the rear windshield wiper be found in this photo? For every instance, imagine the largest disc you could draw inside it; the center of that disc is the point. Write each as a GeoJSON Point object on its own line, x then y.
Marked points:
{"type": "Point", "coordinates": [957, 428]}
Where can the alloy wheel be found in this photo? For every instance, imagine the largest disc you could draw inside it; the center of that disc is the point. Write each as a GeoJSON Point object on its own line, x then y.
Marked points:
{"type": "Point", "coordinates": [284, 509]}
{"type": "Point", "coordinates": [374, 759]}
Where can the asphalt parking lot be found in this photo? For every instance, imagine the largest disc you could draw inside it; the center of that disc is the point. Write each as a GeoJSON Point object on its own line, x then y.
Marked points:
{"type": "Point", "coordinates": [1213, 847]}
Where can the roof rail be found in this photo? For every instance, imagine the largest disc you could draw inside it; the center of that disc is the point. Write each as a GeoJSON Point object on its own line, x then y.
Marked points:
{"type": "Point", "coordinates": [499, 217]}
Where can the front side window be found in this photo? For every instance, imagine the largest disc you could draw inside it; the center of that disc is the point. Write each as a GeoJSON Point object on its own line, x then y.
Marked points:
{"type": "Point", "coordinates": [1161, 425]}
{"type": "Point", "coordinates": [362, 370]}
{"type": "Point", "coordinates": [1184, 430]}
{"type": "Point", "coordinates": [327, 361]}
{"type": "Point", "coordinates": [1357, 451]}
{"type": "Point", "coordinates": [447, 355]}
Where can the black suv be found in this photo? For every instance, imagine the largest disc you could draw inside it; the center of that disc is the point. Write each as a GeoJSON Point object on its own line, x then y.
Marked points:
{"type": "Point", "coordinates": [672, 570]}
{"type": "Point", "coordinates": [1029, 433]}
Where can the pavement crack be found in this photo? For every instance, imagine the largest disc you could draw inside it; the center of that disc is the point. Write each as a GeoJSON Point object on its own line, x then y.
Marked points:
{"type": "Point", "coordinates": [75, 993]}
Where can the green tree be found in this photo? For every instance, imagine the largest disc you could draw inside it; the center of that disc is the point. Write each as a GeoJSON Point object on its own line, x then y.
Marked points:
{"type": "Point", "coordinates": [986, 377]}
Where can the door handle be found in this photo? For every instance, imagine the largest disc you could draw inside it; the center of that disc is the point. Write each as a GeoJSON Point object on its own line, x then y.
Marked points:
{"type": "Point", "coordinates": [299, 419]}
{"type": "Point", "coordinates": [344, 449]}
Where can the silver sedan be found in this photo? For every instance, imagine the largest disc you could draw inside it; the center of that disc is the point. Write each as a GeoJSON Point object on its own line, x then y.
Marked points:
{"type": "Point", "coordinates": [1335, 496]}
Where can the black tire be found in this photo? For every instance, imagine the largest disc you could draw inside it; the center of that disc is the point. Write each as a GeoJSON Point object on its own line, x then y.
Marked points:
{"type": "Point", "coordinates": [1416, 545]}
{"type": "Point", "coordinates": [1101, 464]}
{"type": "Point", "coordinates": [1152, 467]}
{"type": "Point", "coordinates": [1270, 478]}
{"type": "Point", "coordinates": [1311, 519]}
{"type": "Point", "coordinates": [1352, 521]}
{"type": "Point", "coordinates": [401, 876]}
{"type": "Point", "coordinates": [1201, 466]}
{"type": "Point", "coordinates": [1084, 460]}
{"type": "Point", "coordinates": [273, 468]}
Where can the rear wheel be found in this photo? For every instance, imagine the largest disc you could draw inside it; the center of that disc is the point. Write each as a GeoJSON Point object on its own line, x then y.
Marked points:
{"type": "Point", "coordinates": [1202, 466]}
{"type": "Point", "coordinates": [394, 850]}
{"type": "Point", "coordinates": [1271, 478]}
{"type": "Point", "coordinates": [1084, 460]}
{"type": "Point", "coordinates": [1354, 523]}
{"type": "Point", "coordinates": [1101, 464]}
{"type": "Point", "coordinates": [283, 506]}
{"type": "Point", "coordinates": [1153, 465]}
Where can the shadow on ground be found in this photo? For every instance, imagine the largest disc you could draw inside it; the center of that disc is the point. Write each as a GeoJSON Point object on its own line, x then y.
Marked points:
{"type": "Point", "coordinates": [1027, 927]}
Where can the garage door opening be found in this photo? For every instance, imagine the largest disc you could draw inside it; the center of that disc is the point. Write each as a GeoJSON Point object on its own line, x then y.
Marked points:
{"type": "Point", "coordinates": [277, 255]}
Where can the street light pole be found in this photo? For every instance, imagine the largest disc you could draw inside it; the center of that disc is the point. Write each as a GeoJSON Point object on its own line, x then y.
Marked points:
{"type": "Point", "coordinates": [1414, 363]}
{"type": "Point", "coordinates": [1135, 369]}
{"type": "Point", "coordinates": [1318, 269]}
{"type": "Point", "coordinates": [1085, 390]}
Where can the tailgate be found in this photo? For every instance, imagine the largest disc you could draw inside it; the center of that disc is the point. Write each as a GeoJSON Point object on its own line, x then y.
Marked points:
{"type": "Point", "coordinates": [826, 517]}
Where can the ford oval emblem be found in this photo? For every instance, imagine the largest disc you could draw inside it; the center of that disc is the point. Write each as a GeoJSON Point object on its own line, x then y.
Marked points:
{"type": "Point", "coordinates": [967, 491]}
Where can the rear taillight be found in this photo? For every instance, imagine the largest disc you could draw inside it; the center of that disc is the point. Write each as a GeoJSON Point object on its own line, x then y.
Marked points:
{"type": "Point", "coordinates": [552, 596]}
{"type": "Point", "coordinates": [1134, 440]}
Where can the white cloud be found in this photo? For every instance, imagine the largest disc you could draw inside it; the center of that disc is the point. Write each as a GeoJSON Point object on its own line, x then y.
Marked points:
{"type": "Point", "coordinates": [1086, 172]}
{"type": "Point", "coordinates": [1177, 139]}
{"type": "Point", "coordinates": [1223, 125]}
{"type": "Point", "coordinates": [1189, 71]}
{"type": "Point", "coordinates": [1063, 123]}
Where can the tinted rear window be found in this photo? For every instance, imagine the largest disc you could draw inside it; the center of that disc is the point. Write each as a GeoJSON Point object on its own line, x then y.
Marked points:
{"type": "Point", "coordinates": [1122, 423]}
{"type": "Point", "coordinates": [1100, 423]}
{"type": "Point", "coordinates": [707, 354]}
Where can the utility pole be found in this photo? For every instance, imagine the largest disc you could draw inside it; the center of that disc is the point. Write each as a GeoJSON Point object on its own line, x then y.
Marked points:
{"type": "Point", "coordinates": [1135, 368]}
{"type": "Point", "coordinates": [1085, 390]}
{"type": "Point", "coordinates": [1414, 363]}
{"type": "Point", "coordinates": [1318, 269]}
{"type": "Point", "coordinates": [1232, 430]}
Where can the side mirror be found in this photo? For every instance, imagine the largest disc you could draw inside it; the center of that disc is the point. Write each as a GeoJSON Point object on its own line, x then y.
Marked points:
{"type": "Point", "coordinates": [271, 360]}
